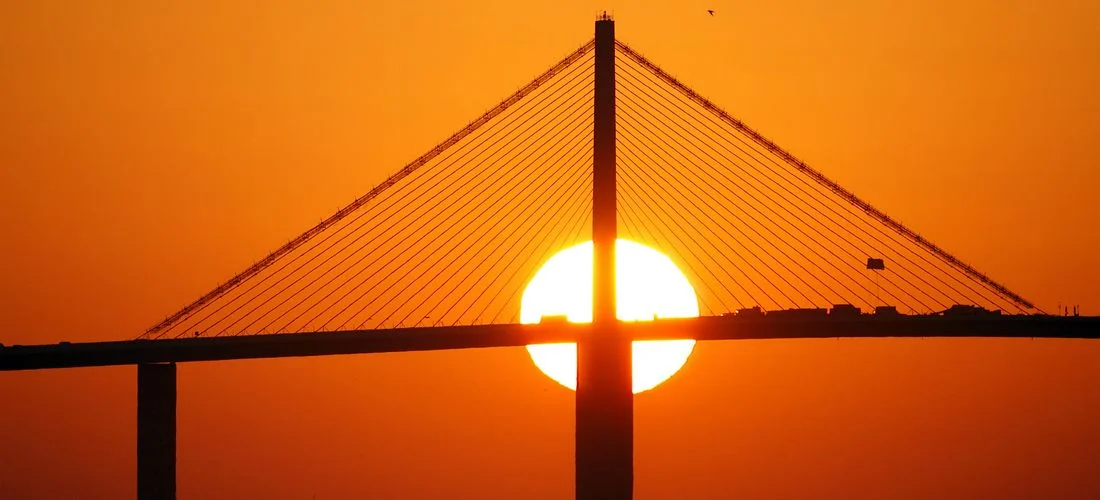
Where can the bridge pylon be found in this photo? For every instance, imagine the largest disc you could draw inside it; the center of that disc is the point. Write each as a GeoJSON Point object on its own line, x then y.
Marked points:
{"type": "Point", "coordinates": [604, 398]}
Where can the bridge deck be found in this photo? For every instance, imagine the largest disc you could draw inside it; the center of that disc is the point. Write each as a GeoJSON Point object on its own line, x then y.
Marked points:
{"type": "Point", "coordinates": [72, 355]}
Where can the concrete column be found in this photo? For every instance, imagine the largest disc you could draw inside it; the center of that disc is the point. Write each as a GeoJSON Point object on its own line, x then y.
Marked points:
{"type": "Point", "coordinates": [156, 446]}
{"type": "Point", "coordinates": [605, 400]}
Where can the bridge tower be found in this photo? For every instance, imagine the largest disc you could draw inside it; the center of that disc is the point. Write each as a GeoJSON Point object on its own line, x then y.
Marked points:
{"type": "Point", "coordinates": [605, 399]}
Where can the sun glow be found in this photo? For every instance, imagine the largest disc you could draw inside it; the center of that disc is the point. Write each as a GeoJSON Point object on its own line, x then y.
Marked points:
{"type": "Point", "coordinates": [648, 285]}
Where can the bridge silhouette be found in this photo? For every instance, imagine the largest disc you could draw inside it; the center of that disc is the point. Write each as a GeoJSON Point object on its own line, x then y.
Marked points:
{"type": "Point", "coordinates": [604, 144]}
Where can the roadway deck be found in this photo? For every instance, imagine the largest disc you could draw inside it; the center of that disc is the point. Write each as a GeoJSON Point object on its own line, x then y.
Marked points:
{"type": "Point", "coordinates": [132, 352]}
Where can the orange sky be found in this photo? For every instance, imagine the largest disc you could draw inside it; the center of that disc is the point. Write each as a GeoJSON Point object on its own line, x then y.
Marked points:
{"type": "Point", "coordinates": [149, 150]}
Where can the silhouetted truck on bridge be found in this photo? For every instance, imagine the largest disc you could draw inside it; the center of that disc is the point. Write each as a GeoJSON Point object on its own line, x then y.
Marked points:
{"type": "Point", "coordinates": [748, 312]}
{"type": "Point", "coordinates": [844, 311]}
{"type": "Point", "coordinates": [802, 313]}
{"type": "Point", "coordinates": [958, 310]}
{"type": "Point", "coordinates": [886, 311]}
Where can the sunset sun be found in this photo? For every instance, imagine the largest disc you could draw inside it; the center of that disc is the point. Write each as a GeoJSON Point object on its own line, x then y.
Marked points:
{"type": "Point", "coordinates": [648, 285]}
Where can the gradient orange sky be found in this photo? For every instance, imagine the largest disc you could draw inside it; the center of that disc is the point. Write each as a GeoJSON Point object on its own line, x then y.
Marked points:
{"type": "Point", "coordinates": [149, 150]}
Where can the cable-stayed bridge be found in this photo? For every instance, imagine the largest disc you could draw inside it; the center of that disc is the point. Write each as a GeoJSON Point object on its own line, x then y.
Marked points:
{"type": "Point", "coordinates": [603, 145]}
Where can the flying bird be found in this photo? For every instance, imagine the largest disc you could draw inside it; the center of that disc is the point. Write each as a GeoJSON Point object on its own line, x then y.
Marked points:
{"type": "Point", "coordinates": [710, 11]}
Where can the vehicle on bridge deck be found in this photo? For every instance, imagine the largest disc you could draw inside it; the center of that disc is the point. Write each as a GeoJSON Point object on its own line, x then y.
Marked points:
{"type": "Point", "coordinates": [747, 312]}
{"type": "Point", "coordinates": [803, 313]}
{"type": "Point", "coordinates": [844, 311]}
{"type": "Point", "coordinates": [886, 311]}
{"type": "Point", "coordinates": [968, 310]}
{"type": "Point", "coordinates": [557, 319]}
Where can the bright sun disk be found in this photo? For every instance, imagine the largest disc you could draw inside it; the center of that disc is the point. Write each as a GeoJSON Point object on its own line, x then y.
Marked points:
{"type": "Point", "coordinates": [648, 285]}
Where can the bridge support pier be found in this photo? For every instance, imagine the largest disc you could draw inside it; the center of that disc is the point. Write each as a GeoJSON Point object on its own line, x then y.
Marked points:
{"type": "Point", "coordinates": [156, 431]}
{"type": "Point", "coordinates": [605, 416]}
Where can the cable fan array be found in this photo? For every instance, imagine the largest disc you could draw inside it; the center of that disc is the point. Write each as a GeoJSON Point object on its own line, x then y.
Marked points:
{"type": "Point", "coordinates": [453, 237]}
{"type": "Point", "coordinates": [450, 239]}
{"type": "Point", "coordinates": [754, 227]}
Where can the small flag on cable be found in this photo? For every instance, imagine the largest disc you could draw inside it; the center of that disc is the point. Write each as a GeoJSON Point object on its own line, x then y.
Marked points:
{"type": "Point", "coordinates": [876, 264]}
